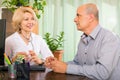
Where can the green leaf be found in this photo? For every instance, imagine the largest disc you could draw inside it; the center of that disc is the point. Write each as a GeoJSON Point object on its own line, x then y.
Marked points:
{"type": "Point", "coordinates": [37, 5]}
{"type": "Point", "coordinates": [54, 43]}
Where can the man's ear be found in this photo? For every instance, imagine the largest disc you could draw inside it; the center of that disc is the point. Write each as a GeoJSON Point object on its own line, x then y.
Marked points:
{"type": "Point", "coordinates": [91, 17]}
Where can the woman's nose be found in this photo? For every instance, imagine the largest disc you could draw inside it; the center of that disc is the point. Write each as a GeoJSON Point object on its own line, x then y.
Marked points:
{"type": "Point", "coordinates": [31, 21]}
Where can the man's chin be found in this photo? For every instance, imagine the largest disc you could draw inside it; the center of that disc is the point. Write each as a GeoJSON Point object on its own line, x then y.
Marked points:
{"type": "Point", "coordinates": [79, 29]}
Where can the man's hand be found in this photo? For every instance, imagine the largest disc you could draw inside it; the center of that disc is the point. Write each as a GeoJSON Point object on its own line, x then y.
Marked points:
{"type": "Point", "coordinates": [55, 65]}
{"type": "Point", "coordinates": [59, 66]}
{"type": "Point", "coordinates": [48, 62]}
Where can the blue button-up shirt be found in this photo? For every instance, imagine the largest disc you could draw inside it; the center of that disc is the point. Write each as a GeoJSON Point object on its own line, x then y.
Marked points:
{"type": "Point", "coordinates": [97, 59]}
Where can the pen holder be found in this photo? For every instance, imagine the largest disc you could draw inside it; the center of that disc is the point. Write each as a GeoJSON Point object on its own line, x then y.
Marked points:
{"type": "Point", "coordinates": [23, 71]}
{"type": "Point", "coordinates": [12, 70]}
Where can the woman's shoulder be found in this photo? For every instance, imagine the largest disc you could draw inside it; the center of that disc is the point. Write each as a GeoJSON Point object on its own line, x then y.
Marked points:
{"type": "Point", "coordinates": [13, 40]}
{"type": "Point", "coordinates": [36, 36]}
{"type": "Point", "coordinates": [12, 36]}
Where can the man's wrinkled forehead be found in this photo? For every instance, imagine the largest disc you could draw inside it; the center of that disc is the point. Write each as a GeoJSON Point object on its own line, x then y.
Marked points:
{"type": "Point", "coordinates": [81, 9]}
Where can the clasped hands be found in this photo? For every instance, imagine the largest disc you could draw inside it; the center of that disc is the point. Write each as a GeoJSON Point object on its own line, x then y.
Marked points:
{"type": "Point", "coordinates": [31, 56]}
{"type": "Point", "coordinates": [55, 65]}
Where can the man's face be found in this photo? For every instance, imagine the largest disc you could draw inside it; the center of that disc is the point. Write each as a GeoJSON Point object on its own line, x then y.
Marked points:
{"type": "Point", "coordinates": [81, 19]}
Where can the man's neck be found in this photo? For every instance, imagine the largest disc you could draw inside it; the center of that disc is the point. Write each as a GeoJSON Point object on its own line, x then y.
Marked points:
{"type": "Point", "coordinates": [91, 28]}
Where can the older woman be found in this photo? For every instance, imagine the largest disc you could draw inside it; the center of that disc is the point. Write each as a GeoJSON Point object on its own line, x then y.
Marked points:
{"type": "Point", "coordinates": [24, 41]}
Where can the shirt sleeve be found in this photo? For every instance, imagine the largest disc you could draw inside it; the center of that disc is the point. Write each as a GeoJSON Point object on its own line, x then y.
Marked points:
{"type": "Point", "coordinates": [8, 47]}
{"type": "Point", "coordinates": [45, 51]}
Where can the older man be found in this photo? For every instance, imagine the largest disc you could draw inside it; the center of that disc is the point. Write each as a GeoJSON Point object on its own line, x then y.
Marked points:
{"type": "Point", "coordinates": [98, 55]}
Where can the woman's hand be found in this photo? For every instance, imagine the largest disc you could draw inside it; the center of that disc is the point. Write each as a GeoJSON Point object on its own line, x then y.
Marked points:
{"type": "Point", "coordinates": [18, 54]}
{"type": "Point", "coordinates": [48, 61]}
{"type": "Point", "coordinates": [35, 58]}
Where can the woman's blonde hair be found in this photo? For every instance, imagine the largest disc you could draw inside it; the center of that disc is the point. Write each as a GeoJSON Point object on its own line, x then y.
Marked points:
{"type": "Point", "coordinates": [18, 17]}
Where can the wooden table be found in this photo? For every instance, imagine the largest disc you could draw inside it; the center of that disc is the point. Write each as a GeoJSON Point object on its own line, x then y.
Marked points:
{"type": "Point", "coordinates": [48, 75]}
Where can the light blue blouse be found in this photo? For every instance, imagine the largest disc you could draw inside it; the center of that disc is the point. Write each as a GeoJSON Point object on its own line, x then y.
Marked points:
{"type": "Point", "coordinates": [98, 59]}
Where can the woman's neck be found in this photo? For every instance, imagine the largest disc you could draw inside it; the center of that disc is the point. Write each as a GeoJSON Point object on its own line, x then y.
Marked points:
{"type": "Point", "coordinates": [26, 35]}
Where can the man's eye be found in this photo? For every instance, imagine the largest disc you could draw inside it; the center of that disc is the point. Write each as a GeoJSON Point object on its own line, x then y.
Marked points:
{"type": "Point", "coordinates": [78, 15]}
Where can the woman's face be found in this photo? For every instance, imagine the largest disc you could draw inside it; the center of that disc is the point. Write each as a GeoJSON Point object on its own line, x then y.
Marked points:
{"type": "Point", "coordinates": [28, 22]}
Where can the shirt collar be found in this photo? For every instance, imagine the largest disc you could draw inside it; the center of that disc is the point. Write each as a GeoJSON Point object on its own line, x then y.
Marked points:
{"type": "Point", "coordinates": [94, 33]}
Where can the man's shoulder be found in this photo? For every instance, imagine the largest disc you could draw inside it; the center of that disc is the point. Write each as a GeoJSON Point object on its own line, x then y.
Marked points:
{"type": "Point", "coordinates": [107, 34]}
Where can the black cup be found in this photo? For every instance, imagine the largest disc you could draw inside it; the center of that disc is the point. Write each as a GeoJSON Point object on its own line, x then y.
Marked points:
{"type": "Point", "coordinates": [23, 71]}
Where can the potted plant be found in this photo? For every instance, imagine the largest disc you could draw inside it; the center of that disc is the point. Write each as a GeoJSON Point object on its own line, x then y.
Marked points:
{"type": "Point", "coordinates": [55, 44]}
{"type": "Point", "coordinates": [38, 5]}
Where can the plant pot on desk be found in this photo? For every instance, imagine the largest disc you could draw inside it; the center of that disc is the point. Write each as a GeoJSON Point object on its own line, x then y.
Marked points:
{"type": "Point", "coordinates": [58, 54]}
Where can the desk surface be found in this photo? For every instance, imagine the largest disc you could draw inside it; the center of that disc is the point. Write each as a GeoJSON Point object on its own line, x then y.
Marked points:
{"type": "Point", "coordinates": [49, 75]}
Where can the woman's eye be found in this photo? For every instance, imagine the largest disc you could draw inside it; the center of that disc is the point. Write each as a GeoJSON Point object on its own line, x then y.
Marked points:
{"type": "Point", "coordinates": [26, 19]}
{"type": "Point", "coordinates": [32, 19]}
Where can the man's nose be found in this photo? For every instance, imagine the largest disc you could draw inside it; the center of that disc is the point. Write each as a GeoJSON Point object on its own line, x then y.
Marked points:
{"type": "Point", "coordinates": [74, 19]}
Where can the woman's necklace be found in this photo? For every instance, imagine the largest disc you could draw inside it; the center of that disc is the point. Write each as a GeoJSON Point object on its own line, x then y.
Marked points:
{"type": "Point", "coordinates": [27, 38]}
